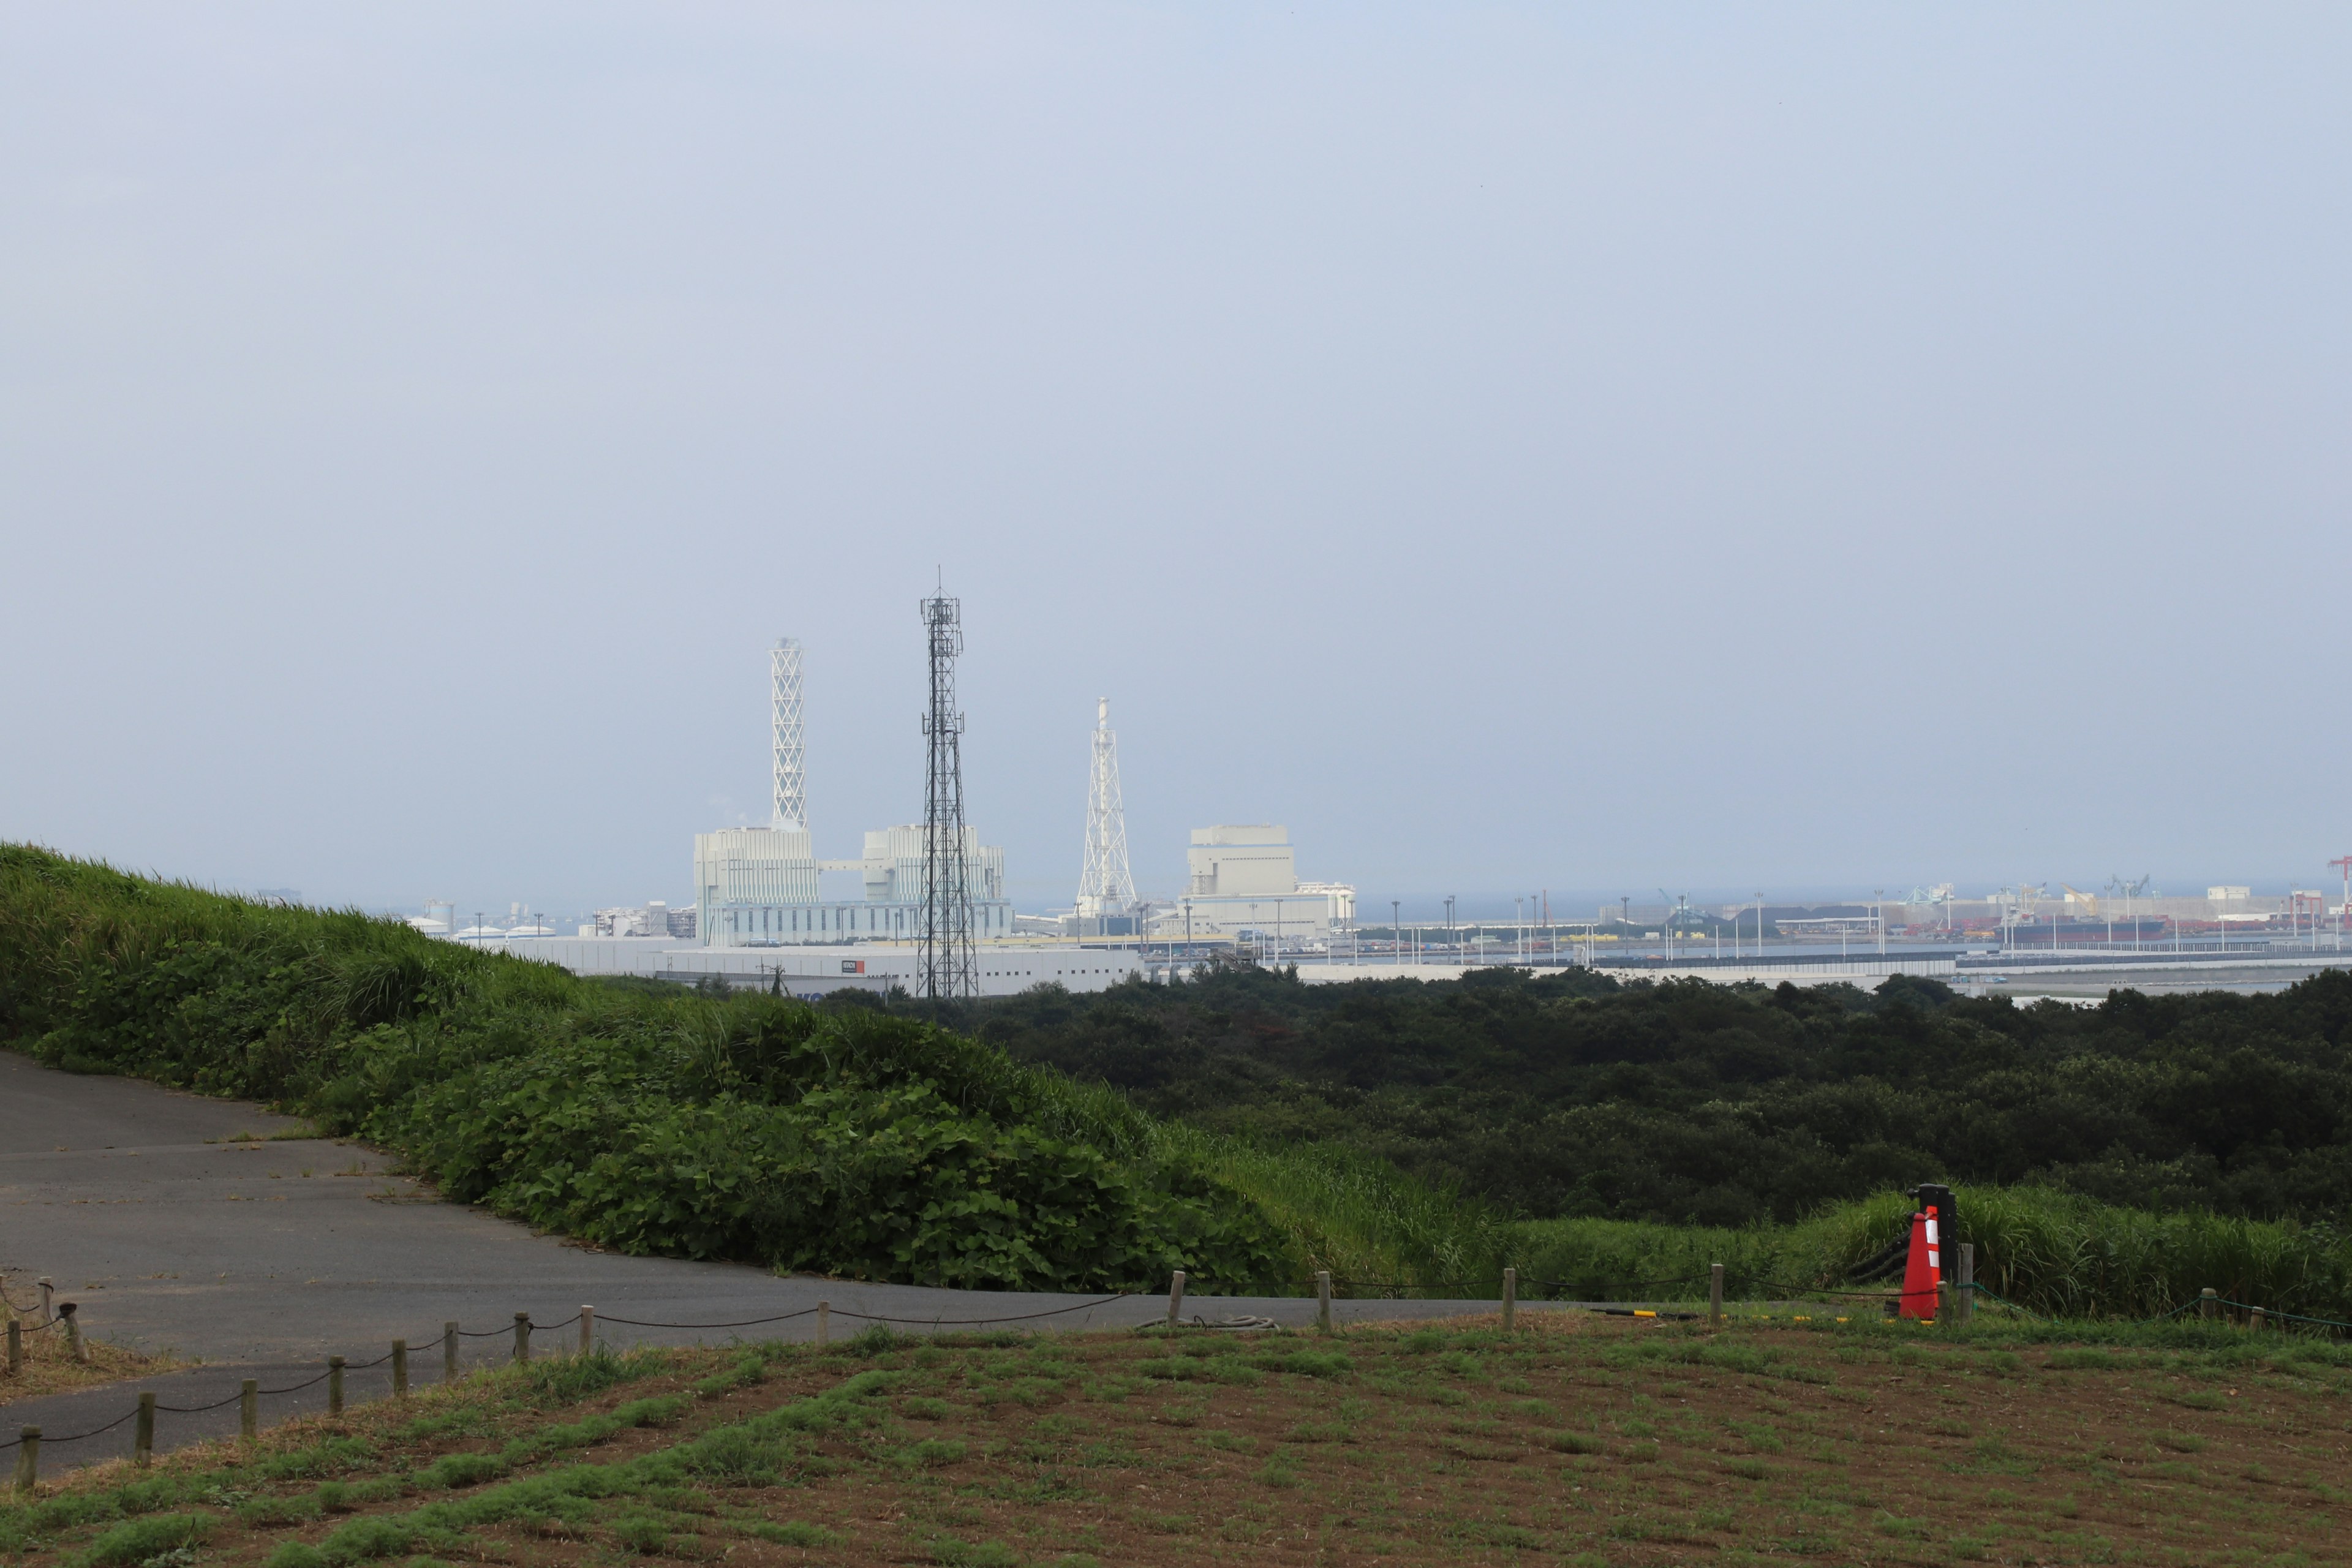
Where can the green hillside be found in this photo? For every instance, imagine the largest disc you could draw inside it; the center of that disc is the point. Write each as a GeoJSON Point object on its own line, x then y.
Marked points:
{"type": "Point", "coordinates": [644, 1119]}
{"type": "Point", "coordinates": [1245, 1128]}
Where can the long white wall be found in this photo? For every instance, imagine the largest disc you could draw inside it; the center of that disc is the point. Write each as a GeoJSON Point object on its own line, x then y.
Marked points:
{"type": "Point", "coordinates": [814, 971]}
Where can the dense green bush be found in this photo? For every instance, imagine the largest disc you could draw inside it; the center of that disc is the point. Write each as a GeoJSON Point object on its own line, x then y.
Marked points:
{"type": "Point", "coordinates": [648, 1119]}
{"type": "Point", "coordinates": [1570, 1096]}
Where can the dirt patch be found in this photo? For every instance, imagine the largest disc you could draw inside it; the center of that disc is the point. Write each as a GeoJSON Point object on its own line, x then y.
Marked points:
{"type": "Point", "coordinates": [1578, 1439]}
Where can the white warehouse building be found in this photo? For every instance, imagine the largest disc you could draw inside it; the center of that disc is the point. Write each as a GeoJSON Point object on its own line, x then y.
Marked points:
{"type": "Point", "coordinates": [763, 886]}
{"type": "Point", "coordinates": [758, 887]}
{"type": "Point", "coordinates": [1245, 877]}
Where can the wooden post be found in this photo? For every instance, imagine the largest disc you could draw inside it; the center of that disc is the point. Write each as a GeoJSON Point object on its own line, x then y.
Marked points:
{"type": "Point", "coordinates": [248, 1410]}
{"type": "Point", "coordinates": [587, 1331]}
{"type": "Point", "coordinates": [143, 1439]}
{"type": "Point", "coordinates": [334, 1386]}
{"type": "Point", "coordinates": [74, 1347]}
{"type": "Point", "coordinates": [1175, 1296]}
{"type": "Point", "coordinates": [2208, 1304]}
{"type": "Point", "coordinates": [2254, 1317]}
{"type": "Point", "coordinates": [522, 1338]}
{"type": "Point", "coordinates": [29, 1457]}
{"type": "Point", "coordinates": [1323, 1300]}
{"type": "Point", "coordinates": [823, 1324]}
{"type": "Point", "coordinates": [48, 1291]}
{"type": "Point", "coordinates": [448, 1353]}
{"type": "Point", "coordinates": [1510, 1300]}
{"type": "Point", "coordinates": [1964, 1301]}
{"type": "Point", "coordinates": [1715, 1295]}
{"type": "Point", "coordinates": [400, 1369]}
{"type": "Point", "coordinates": [16, 1347]}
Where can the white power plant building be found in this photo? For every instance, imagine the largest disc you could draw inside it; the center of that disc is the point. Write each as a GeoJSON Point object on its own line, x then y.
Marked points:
{"type": "Point", "coordinates": [1244, 878]}
{"type": "Point", "coordinates": [761, 887]}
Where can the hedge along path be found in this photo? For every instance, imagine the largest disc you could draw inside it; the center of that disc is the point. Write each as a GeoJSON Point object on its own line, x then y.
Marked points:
{"type": "Point", "coordinates": [1583, 1438]}
{"type": "Point", "coordinates": [751, 1128]}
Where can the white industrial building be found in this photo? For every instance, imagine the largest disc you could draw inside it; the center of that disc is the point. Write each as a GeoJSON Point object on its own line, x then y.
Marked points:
{"type": "Point", "coordinates": [758, 887]}
{"type": "Point", "coordinates": [811, 972]}
{"type": "Point", "coordinates": [761, 887]}
{"type": "Point", "coordinates": [1244, 878]}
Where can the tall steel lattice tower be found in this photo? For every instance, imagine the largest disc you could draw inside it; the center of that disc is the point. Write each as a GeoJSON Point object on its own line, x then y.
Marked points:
{"type": "Point", "coordinates": [790, 806]}
{"type": "Point", "coordinates": [946, 969]}
{"type": "Point", "coordinates": [1106, 887]}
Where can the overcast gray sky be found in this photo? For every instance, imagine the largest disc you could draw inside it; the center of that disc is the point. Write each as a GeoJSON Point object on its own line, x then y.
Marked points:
{"type": "Point", "coordinates": [1587, 447]}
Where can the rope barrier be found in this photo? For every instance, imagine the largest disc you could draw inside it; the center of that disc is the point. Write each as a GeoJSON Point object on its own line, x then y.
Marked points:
{"type": "Point", "coordinates": [967, 1323]}
{"type": "Point", "coordinates": [297, 1387]}
{"type": "Point", "coordinates": [2292, 1317]}
{"type": "Point", "coordinates": [1975, 1290]}
{"type": "Point", "coordinates": [1825, 1290]}
{"type": "Point", "coordinates": [200, 1409]}
{"type": "Point", "coordinates": [1978, 1290]}
{"type": "Point", "coordinates": [745, 1323]}
{"type": "Point", "coordinates": [93, 1432]}
{"type": "Point", "coordinates": [1497, 1283]}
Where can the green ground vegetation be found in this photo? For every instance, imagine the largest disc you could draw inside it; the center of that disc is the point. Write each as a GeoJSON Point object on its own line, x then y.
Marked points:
{"type": "Point", "coordinates": [1578, 1439]}
{"type": "Point", "coordinates": [643, 1117]}
{"type": "Point", "coordinates": [1607, 1140]}
{"type": "Point", "coordinates": [1569, 1095]}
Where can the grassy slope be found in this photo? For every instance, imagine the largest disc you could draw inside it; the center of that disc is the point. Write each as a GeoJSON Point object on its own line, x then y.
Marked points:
{"type": "Point", "coordinates": [651, 1120]}
{"type": "Point", "coordinates": [1586, 1440]}
{"type": "Point", "coordinates": [656, 1122]}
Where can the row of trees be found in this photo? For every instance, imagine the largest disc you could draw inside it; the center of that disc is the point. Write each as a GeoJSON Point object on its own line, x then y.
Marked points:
{"type": "Point", "coordinates": [1571, 1095]}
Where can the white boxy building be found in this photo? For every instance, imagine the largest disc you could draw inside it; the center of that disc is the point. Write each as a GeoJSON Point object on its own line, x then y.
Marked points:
{"type": "Point", "coordinates": [1243, 877]}
{"type": "Point", "coordinates": [758, 887]}
{"type": "Point", "coordinates": [763, 886]}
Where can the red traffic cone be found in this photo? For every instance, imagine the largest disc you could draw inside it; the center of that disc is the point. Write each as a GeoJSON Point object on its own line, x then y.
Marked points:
{"type": "Point", "coordinates": [1922, 1270]}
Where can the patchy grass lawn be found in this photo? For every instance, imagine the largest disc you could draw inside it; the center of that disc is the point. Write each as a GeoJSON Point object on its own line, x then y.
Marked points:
{"type": "Point", "coordinates": [1577, 1440]}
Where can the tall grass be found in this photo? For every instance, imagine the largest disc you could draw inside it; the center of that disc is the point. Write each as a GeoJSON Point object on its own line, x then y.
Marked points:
{"type": "Point", "coordinates": [2050, 1253]}
{"type": "Point", "coordinates": [1369, 1223]}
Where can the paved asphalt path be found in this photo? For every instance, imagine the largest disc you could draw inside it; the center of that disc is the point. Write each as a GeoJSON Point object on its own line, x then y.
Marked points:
{"type": "Point", "coordinates": [261, 1258]}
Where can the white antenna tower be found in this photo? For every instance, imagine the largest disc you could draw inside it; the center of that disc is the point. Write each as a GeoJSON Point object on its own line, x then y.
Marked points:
{"type": "Point", "coordinates": [1106, 887]}
{"type": "Point", "coordinates": [790, 806]}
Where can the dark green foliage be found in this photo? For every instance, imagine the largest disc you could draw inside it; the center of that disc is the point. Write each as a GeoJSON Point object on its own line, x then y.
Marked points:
{"type": "Point", "coordinates": [1567, 1095]}
{"type": "Point", "coordinates": [648, 1119]}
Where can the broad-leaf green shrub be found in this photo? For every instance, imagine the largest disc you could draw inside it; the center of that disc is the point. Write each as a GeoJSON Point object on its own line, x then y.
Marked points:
{"type": "Point", "coordinates": [754, 1128]}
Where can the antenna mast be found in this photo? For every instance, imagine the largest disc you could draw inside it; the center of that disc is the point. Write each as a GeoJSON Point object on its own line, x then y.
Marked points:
{"type": "Point", "coordinates": [1106, 887]}
{"type": "Point", "coordinates": [946, 969]}
{"type": "Point", "coordinates": [790, 809]}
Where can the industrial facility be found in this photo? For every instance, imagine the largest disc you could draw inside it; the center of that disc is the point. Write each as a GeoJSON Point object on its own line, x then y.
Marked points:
{"type": "Point", "coordinates": [761, 887]}
{"type": "Point", "coordinates": [1243, 880]}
